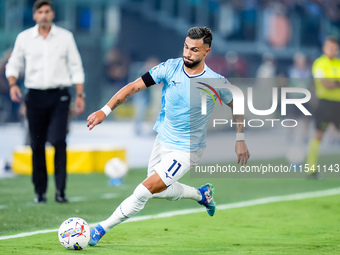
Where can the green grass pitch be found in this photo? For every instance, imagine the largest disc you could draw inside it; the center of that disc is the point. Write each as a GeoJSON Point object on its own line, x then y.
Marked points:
{"type": "Point", "coordinates": [309, 226]}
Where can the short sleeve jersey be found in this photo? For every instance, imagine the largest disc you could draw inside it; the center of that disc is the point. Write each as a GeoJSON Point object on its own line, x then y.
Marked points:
{"type": "Point", "coordinates": [180, 124]}
{"type": "Point", "coordinates": [325, 68]}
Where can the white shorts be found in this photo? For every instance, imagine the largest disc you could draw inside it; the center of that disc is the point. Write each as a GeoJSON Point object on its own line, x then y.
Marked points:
{"type": "Point", "coordinates": [171, 165]}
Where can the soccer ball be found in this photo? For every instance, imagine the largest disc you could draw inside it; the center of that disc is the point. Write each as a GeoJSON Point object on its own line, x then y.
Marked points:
{"type": "Point", "coordinates": [74, 234]}
{"type": "Point", "coordinates": [116, 168]}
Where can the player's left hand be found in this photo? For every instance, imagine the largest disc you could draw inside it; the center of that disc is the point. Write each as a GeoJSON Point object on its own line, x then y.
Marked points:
{"type": "Point", "coordinates": [79, 105]}
{"type": "Point", "coordinates": [242, 152]}
{"type": "Point", "coordinates": [95, 118]}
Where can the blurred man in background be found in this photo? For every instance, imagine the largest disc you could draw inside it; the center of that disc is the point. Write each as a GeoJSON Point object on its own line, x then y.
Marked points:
{"type": "Point", "coordinates": [142, 99]}
{"type": "Point", "coordinates": [326, 72]}
{"type": "Point", "coordinates": [300, 77]}
{"type": "Point", "coordinates": [52, 64]}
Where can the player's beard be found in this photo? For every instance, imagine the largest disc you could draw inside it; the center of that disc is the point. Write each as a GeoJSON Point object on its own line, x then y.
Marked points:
{"type": "Point", "coordinates": [191, 64]}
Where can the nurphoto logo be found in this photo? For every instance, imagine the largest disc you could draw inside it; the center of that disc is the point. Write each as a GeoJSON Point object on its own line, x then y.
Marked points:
{"type": "Point", "coordinates": [240, 100]}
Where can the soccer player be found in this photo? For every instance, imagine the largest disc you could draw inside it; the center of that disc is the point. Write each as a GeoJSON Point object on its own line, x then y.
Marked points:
{"type": "Point", "coordinates": [326, 72]}
{"type": "Point", "coordinates": [178, 144]}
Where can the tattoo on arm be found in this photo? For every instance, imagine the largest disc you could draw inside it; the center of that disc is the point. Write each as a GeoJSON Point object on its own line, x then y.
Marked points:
{"type": "Point", "coordinates": [128, 95]}
{"type": "Point", "coordinates": [118, 102]}
{"type": "Point", "coordinates": [239, 119]}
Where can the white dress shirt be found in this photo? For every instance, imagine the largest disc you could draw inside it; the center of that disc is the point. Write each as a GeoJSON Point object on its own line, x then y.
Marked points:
{"type": "Point", "coordinates": [49, 63]}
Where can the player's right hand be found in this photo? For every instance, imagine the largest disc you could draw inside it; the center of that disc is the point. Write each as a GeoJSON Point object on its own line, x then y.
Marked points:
{"type": "Point", "coordinates": [15, 94]}
{"type": "Point", "coordinates": [242, 152]}
{"type": "Point", "coordinates": [95, 118]}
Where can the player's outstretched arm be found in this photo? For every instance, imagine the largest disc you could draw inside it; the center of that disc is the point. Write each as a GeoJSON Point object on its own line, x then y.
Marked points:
{"type": "Point", "coordinates": [121, 96]}
{"type": "Point", "coordinates": [241, 148]}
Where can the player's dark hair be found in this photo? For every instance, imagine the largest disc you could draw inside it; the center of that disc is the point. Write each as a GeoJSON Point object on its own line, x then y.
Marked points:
{"type": "Point", "coordinates": [39, 3]}
{"type": "Point", "coordinates": [201, 33]}
{"type": "Point", "coordinates": [332, 39]}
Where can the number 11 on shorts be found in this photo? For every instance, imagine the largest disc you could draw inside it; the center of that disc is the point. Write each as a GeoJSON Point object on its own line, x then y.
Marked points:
{"type": "Point", "coordinates": [173, 165]}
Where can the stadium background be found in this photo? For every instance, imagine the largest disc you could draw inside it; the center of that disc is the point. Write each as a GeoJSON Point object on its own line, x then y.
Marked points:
{"type": "Point", "coordinates": [252, 39]}
{"type": "Point", "coordinates": [115, 39]}
{"type": "Point", "coordinates": [113, 35]}
{"type": "Point", "coordinates": [254, 43]}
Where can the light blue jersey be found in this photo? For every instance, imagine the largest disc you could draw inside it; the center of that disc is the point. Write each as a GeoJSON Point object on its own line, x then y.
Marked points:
{"type": "Point", "coordinates": [180, 124]}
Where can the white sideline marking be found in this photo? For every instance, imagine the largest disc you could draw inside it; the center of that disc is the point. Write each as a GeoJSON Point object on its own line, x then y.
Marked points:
{"type": "Point", "coordinates": [104, 196]}
{"type": "Point", "coordinates": [77, 199]}
{"type": "Point", "coordinates": [73, 199]}
{"type": "Point", "coordinates": [260, 201]}
{"type": "Point", "coordinates": [109, 195]}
